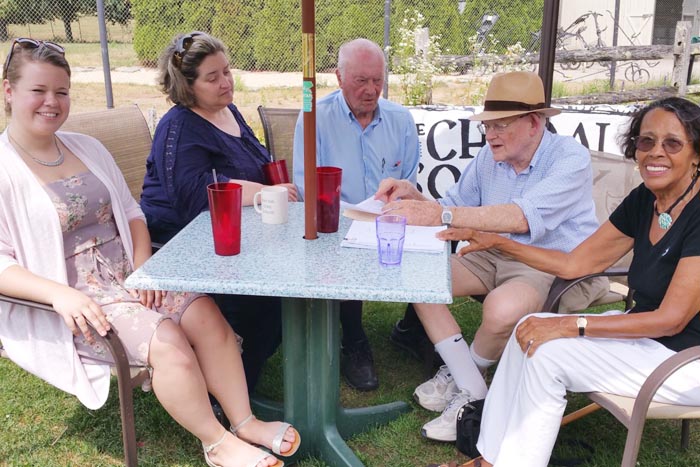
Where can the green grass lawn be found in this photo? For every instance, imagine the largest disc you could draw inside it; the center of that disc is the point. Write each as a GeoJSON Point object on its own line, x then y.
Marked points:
{"type": "Point", "coordinates": [42, 426]}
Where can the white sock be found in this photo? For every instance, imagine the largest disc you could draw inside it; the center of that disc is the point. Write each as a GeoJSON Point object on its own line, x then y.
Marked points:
{"type": "Point", "coordinates": [482, 363]}
{"type": "Point", "coordinates": [455, 352]}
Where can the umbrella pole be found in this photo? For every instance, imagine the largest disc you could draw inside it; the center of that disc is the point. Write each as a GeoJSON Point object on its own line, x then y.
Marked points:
{"type": "Point", "coordinates": [308, 35]}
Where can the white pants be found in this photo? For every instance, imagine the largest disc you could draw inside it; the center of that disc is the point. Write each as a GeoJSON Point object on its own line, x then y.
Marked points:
{"type": "Point", "coordinates": [527, 398]}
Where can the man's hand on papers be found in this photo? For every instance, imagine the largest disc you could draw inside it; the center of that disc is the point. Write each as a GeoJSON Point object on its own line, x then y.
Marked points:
{"type": "Point", "coordinates": [391, 189]}
{"type": "Point", "coordinates": [416, 212]}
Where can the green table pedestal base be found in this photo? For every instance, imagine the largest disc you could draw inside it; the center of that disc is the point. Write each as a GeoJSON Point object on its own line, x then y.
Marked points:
{"type": "Point", "coordinates": [311, 350]}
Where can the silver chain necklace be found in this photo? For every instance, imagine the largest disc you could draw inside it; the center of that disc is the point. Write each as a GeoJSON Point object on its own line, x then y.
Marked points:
{"type": "Point", "coordinates": [59, 160]}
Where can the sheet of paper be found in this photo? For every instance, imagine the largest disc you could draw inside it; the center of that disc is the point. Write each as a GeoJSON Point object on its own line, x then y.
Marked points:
{"type": "Point", "coordinates": [366, 210]}
{"type": "Point", "coordinates": [363, 234]}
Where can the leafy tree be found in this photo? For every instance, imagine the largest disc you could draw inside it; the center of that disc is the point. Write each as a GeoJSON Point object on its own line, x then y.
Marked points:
{"type": "Point", "coordinates": [278, 23]}
{"type": "Point", "coordinates": [157, 22]}
{"type": "Point", "coordinates": [239, 38]}
{"type": "Point", "coordinates": [69, 11]}
{"type": "Point", "coordinates": [118, 11]}
{"type": "Point", "coordinates": [346, 24]}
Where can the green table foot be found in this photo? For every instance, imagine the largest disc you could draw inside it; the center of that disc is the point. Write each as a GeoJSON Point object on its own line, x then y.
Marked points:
{"type": "Point", "coordinates": [266, 409]}
{"type": "Point", "coordinates": [355, 421]}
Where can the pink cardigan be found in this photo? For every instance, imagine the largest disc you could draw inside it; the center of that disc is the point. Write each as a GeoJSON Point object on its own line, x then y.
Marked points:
{"type": "Point", "coordinates": [30, 236]}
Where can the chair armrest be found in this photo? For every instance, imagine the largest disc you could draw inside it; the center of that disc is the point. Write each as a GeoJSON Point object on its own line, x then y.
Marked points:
{"type": "Point", "coordinates": [19, 301]}
{"type": "Point", "coordinates": [561, 286]}
{"type": "Point", "coordinates": [111, 339]}
{"type": "Point", "coordinates": [657, 378]}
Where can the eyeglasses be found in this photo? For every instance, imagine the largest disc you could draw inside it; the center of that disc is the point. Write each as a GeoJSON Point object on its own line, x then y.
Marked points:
{"type": "Point", "coordinates": [647, 143]}
{"type": "Point", "coordinates": [28, 43]}
{"type": "Point", "coordinates": [498, 128]}
{"type": "Point", "coordinates": [183, 45]}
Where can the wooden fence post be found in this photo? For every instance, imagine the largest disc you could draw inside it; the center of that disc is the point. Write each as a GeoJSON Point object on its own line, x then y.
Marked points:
{"type": "Point", "coordinates": [681, 57]}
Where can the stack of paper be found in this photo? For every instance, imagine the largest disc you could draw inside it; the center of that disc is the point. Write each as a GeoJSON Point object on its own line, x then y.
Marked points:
{"type": "Point", "coordinates": [418, 238]}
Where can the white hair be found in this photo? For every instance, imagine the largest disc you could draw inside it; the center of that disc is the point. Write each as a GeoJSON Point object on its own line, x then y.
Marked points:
{"type": "Point", "coordinates": [349, 49]}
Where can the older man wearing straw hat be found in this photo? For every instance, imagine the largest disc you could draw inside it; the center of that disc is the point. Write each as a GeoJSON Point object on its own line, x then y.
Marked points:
{"type": "Point", "coordinates": [527, 183]}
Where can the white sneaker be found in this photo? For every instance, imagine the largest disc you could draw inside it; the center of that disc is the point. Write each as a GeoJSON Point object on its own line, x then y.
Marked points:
{"type": "Point", "coordinates": [437, 392]}
{"type": "Point", "coordinates": [444, 428]}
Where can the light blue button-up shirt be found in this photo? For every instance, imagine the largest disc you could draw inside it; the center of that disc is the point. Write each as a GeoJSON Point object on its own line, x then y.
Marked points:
{"type": "Point", "coordinates": [387, 147]}
{"type": "Point", "coordinates": [554, 192]}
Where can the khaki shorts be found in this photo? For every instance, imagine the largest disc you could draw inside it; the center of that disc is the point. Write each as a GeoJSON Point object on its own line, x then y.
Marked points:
{"type": "Point", "coordinates": [494, 269]}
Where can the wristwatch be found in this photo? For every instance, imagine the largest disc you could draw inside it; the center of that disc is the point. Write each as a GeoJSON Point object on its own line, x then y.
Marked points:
{"type": "Point", "coordinates": [446, 217]}
{"type": "Point", "coordinates": [581, 322]}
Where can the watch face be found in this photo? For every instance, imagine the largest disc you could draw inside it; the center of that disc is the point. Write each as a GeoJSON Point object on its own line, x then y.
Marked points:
{"type": "Point", "coordinates": [447, 217]}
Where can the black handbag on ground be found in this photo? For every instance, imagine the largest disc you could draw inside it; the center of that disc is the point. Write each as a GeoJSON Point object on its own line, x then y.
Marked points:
{"type": "Point", "coordinates": [468, 427]}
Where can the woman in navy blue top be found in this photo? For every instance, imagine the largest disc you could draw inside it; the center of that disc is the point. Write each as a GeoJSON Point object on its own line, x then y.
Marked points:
{"type": "Point", "coordinates": [205, 131]}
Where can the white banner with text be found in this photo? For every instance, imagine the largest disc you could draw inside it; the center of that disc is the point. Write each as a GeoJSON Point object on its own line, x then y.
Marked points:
{"type": "Point", "coordinates": [449, 140]}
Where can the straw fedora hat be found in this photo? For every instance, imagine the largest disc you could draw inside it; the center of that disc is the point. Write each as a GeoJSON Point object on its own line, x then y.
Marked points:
{"type": "Point", "coordinates": [514, 93]}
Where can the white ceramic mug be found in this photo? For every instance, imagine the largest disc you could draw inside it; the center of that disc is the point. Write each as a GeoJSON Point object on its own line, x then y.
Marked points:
{"type": "Point", "coordinates": [272, 203]}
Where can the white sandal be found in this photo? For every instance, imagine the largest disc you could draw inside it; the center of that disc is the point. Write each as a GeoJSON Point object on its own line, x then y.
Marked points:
{"type": "Point", "coordinates": [209, 448]}
{"type": "Point", "coordinates": [254, 463]}
{"type": "Point", "coordinates": [277, 440]}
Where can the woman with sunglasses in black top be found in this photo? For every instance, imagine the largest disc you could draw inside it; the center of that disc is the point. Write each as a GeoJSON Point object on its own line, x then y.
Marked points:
{"type": "Point", "coordinates": [614, 352]}
{"type": "Point", "coordinates": [70, 233]}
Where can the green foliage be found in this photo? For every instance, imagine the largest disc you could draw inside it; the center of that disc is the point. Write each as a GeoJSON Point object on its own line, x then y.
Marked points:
{"type": "Point", "coordinates": [157, 21]}
{"type": "Point", "coordinates": [416, 66]}
{"type": "Point", "coordinates": [118, 11]}
{"type": "Point", "coordinates": [342, 25]}
{"type": "Point", "coordinates": [278, 23]}
{"type": "Point", "coordinates": [238, 38]}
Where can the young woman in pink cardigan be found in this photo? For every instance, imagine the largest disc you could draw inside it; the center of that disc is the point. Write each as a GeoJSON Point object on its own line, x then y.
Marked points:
{"type": "Point", "coordinates": [70, 233]}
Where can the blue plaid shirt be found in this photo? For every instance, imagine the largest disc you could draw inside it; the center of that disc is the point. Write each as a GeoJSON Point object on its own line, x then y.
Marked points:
{"type": "Point", "coordinates": [387, 147]}
{"type": "Point", "coordinates": [554, 192]}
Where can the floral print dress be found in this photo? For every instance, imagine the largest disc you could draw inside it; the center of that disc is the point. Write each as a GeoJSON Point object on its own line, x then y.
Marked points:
{"type": "Point", "coordinates": [97, 265]}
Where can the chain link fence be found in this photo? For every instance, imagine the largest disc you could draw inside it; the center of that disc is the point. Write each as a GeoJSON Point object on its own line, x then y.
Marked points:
{"type": "Point", "coordinates": [264, 35]}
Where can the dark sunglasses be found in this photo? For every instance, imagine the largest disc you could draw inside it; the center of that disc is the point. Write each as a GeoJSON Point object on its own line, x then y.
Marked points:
{"type": "Point", "coordinates": [647, 143]}
{"type": "Point", "coordinates": [28, 43]}
{"type": "Point", "coordinates": [183, 45]}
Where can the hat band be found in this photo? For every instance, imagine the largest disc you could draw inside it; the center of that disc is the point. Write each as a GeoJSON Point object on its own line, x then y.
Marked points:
{"type": "Point", "coordinates": [511, 105]}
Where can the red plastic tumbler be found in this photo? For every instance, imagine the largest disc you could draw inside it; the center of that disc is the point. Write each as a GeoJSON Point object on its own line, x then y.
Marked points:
{"type": "Point", "coordinates": [225, 208]}
{"type": "Point", "coordinates": [328, 198]}
{"type": "Point", "coordinates": [276, 172]}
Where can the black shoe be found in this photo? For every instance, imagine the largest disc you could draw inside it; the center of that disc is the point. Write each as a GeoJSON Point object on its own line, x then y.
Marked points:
{"type": "Point", "coordinates": [415, 342]}
{"type": "Point", "coordinates": [357, 366]}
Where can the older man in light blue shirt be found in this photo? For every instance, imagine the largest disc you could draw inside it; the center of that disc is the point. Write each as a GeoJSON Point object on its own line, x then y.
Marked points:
{"type": "Point", "coordinates": [528, 184]}
{"type": "Point", "coordinates": [386, 147]}
{"type": "Point", "coordinates": [371, 139]}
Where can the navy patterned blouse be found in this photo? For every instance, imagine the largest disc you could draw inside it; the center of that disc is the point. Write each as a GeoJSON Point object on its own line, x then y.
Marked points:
{"type": "Point", "coordinates": [186, 147]}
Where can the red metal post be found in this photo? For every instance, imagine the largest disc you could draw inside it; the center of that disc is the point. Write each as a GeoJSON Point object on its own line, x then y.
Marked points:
{"type": "Point", "coordinates": [308, 34]}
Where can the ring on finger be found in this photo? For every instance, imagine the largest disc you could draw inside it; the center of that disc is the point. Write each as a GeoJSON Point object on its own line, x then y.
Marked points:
{"type": "Point", "coordinates": [530, 342]}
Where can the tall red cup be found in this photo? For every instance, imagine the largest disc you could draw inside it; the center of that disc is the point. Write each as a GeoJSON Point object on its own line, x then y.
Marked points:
{"type": "Point", "coordinates": [225, 207]}
{"type": "Point", "coordinates": [276, 172]}
{"type": "Point", "coordinates": [328, 198]}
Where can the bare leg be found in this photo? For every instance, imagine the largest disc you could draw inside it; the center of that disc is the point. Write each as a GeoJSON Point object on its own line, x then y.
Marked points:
{"type": "Point", "coordinates": [180, 386]}
{"type": "Point", "coordinates": [216, 350]}
{"type": "Point", "coordinates": [503, 308]}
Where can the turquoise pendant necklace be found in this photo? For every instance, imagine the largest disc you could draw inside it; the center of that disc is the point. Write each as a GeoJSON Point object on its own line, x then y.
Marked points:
{"type": "Point", "coordinates": [665, 220]}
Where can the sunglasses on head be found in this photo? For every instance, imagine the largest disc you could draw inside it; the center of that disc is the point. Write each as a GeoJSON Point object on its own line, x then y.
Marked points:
{"type": "Point", "coordinates": [183, 45]}
{"type": "Point", "coordinates": [28, 43]}
{"type": "Point", "coordinates": [647, 143]}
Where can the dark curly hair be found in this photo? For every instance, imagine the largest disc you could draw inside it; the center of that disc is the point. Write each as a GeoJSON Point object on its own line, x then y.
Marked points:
{"type": "Point", "coordinates": [687, 112]}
